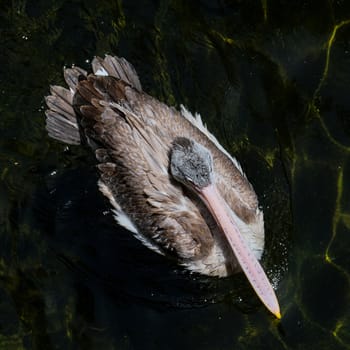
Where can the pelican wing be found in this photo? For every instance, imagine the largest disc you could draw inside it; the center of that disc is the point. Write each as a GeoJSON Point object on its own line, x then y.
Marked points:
{"type": "Point", "coordinates": [133, 161]}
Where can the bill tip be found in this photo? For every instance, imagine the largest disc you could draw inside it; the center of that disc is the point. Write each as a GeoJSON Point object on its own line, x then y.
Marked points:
{"type": "Point", "coordinates": [278, 315]}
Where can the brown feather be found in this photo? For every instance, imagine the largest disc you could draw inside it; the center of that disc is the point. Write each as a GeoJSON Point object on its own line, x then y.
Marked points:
{"type": "Point", "coordinates": [131, 134]}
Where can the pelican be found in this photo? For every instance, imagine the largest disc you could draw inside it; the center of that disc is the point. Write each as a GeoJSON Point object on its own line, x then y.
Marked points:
{"type": "Point", "coordinates": [166, 176]}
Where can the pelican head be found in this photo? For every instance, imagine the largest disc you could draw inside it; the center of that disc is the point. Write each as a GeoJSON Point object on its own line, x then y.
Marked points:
{"type": "Point", "coordinates": [191, 164]}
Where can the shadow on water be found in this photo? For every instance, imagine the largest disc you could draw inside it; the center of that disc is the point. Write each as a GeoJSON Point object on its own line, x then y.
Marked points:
{"type": "Point", "coordinates": [271, 80]}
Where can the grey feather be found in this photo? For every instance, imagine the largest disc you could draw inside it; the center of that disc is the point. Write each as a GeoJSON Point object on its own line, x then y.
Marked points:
{"type": "Point", "coordinates": [119, 68]}
{"type": "Point", "coordinates": [61, 122]}
{"type": "Point", "coordinates": [71, 76]}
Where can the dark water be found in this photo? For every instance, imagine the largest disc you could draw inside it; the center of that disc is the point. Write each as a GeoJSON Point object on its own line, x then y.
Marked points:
{"type": "Point", "coordinates": [272, 81]}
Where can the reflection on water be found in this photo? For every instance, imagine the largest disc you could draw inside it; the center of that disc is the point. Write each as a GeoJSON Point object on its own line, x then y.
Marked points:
{"type": "Point", "coordinates": [271, 81]}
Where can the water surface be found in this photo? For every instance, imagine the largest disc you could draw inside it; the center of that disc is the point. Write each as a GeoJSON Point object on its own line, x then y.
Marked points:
{"type": "Point", "coordinates": [271, 80]}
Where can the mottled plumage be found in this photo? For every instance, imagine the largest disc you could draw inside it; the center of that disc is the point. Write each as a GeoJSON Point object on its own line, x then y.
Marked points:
{"type": "Point", "coordinates": [131, 134]}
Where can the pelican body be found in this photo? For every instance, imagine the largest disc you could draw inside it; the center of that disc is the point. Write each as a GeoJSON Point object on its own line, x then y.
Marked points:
{"type": "Point", "coordinates": [167, 177]}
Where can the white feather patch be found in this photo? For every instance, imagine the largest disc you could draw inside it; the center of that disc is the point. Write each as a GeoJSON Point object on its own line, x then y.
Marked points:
{"type": "Point", "coordinates": [124, 220]}
{"type": "Point", "coordinates": [101, 71]}
{"type": "Point", "coordinates": [198, 123]}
